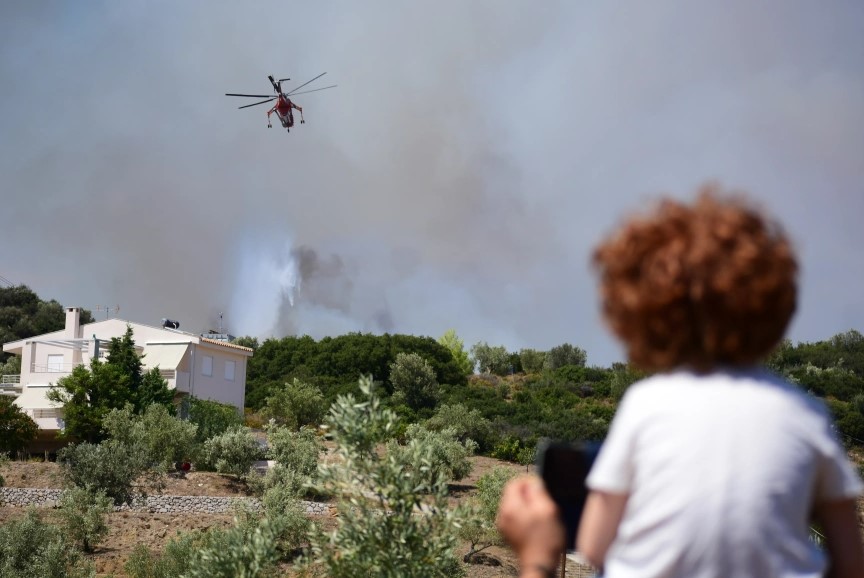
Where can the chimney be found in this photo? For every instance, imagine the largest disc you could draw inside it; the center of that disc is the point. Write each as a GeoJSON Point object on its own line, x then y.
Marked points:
{"type": "Point", "coordinates": [73, 322]}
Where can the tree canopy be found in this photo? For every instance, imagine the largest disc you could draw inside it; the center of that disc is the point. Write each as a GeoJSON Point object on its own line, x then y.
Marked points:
{"type": "Point", "coordinates": [17, 429]}
{"type": "Point", "coordinates": [335, 363]}
{"type": "Point", "coordinates": [89, 394]}
{"type": "Point", "coordinates": [23, 314]}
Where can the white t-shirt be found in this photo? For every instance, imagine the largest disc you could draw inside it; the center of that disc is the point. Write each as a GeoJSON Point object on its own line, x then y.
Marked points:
{"type": "Point", "coordinates": [722, 472]}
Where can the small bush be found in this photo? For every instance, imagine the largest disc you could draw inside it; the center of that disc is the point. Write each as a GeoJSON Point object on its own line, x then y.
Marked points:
{"type": "Point", "coordinates": [4, 459]}
{"type": "Point", "coordinates": [210, 417]}
{"type": "Point", "coordinates": [508, 449]}
{"type": "Point", "coordinates": [252, 419]}
{"type": "Point", "coordinates": [282, 506]}
{"type": "Point", "coordinates": [171, 563]}
{"type": "Point", "coordinates": [157, 436]}
{"type": "Point", "coordinates": [296, 451]}
{"type": "Point", "coordinates": [30, 548]}
{"type": "Point", "coordinates": [248, 550]}
{"type": "Point", "coordinates": [478, 527]}
{"type": "Point", "coordinates": [83, 515]}
{"type": "Point", "coordinates": [110, 466]}
{"type": "Point", "coordinates": [295, 405]}
{"type": "Point", "coordinates": [468, 424]}
{"type": "Point", "coordinates": [232, 452]}
{"type": "Point", "coordinates": [444, 456]}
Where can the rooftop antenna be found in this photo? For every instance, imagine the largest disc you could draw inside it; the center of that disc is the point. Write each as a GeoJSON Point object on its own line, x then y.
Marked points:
{"type": "Point", "coordinates": [108, 309]}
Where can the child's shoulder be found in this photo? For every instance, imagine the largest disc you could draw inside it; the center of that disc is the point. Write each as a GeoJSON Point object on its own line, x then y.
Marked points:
{"type": "Point", "coordinates": [756, 383]}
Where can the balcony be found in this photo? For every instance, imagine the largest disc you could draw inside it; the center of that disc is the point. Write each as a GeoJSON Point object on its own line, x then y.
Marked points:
{"type": "Point", "coordinates": [56, 371]}
{"type": "Point", "coordinates": [177, 380]}
{"type": "Point", "coordinates": [10, 379]}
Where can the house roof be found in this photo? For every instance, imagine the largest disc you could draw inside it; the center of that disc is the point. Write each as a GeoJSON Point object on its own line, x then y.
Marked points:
{"type": "Point", "coordinates": [226, 344]}
{"type": "Point", "coordinates": [97, 327]}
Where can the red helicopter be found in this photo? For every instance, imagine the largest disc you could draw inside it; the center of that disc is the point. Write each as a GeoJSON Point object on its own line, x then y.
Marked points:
{"type": "Point", "coordinates": [284, 107]}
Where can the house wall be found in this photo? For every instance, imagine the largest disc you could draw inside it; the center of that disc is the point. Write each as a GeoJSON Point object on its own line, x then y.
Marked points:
{"type": "Point", "coordinates": [35, 357]}
{"type": "Point", "coordinates": [215, 387]}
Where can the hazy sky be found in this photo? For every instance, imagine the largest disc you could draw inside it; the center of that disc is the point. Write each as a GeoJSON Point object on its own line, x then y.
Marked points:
{"type": "Point", "coordinates": [459, 176]}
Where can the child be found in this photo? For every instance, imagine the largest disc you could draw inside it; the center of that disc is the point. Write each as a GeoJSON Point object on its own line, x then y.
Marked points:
{"type": "Point", "coordinates": [712, 467]}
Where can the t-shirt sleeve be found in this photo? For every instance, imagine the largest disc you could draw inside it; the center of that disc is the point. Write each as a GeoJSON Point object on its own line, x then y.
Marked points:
{"type": "Point", "coordinates": [613, 469]}
{"type": "Point", "coordinates": [836, 478]}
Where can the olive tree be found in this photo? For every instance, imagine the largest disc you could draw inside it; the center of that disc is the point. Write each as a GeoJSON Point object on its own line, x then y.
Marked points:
{"type": "Point", "coordinates": [414, 382]}
{"type": "Point", "coordinates": [393, 519]}
{"type": "Point", "coordinates": [565, 354]}
{"type": "Point", "coordinates": [491, 359]}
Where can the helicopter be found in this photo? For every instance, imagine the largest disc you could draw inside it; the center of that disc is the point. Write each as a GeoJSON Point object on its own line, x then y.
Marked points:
{"type": "Point", "coordinates": [284, 107]}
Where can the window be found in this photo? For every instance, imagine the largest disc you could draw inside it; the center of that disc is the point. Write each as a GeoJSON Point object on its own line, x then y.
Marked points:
{"type": "Point", "coordinates": [207, 366]}
{"type": "Point", "coordinates": [55, 363]}
{"type": "Point", "coordinates": [229, 371]}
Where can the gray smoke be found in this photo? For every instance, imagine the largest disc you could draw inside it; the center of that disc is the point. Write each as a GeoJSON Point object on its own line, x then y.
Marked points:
{"type": "Point", "coordinates": [471, 156]}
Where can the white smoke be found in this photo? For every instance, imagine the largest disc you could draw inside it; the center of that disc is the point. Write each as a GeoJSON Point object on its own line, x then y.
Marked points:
{"type": "Point", "coordinates": [267, 280]}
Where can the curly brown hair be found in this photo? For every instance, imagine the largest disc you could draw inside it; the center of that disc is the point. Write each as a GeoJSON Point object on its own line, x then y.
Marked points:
{"type": "Point", "coordinates": [698, 285]}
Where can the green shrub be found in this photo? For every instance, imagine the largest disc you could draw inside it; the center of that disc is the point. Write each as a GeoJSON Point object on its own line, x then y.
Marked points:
{"type": "Point", "coordinates": [171, 563]}
{"type": "Point", "coordinates": [443, 455]}
{"type": "Point", "coordinates": [17, 429]}
{"type": "Point", "coordinates": [232, 452]}
{"type": "Point", "coordinates": [296, 405]}
{"type": "Point", "coordinates": [83, 515]}
{"type": "Point", "coordinates": [478, 526]}
{"type": "Point", "coordinates": [210, 417]}
{"type": "Point", "coordinates": [4, 459]}
{"type": "Point", "coordinates": [297, 451]}
{"type": "Point", "coordinates": [252, 419]}
{"type": "Point", "coordinates": [109, 466]}
{"type": "Point", "coordinates": [468, 424]}
{"type": "Point", "coordinates": [30, 548]}
{"type": "Point", "coordinates": [157, 436]}
{"type": "Point", "coordinates": [247, 550]}
{"type": "Point", "coordinates": [393, 519]}
{"type": "Point", "coordinates": [282, 506]}
{"type": "Point", "coordinates": [508, 449]}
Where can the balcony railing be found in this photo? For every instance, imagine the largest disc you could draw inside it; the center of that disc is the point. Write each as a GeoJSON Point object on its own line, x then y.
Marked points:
{"type": "Point", "coordinates": [10, 379]}
{"type": "Point", "coordinates": [53, 368]}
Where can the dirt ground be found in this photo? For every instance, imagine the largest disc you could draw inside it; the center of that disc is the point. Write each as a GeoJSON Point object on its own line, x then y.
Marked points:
{"type": "Point", "coordinates": [128, 529]}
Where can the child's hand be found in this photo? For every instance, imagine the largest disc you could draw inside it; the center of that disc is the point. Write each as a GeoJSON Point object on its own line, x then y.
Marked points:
{"type": "Point", "coordinates": [529, 521]}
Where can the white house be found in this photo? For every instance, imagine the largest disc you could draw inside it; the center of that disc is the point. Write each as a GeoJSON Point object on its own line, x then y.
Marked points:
{"type": "Point", "coordinates": [191, 364]}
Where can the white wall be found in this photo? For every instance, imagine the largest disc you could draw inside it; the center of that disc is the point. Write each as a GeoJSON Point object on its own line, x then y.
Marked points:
{"type": "Point", "coordinates": [215, 387]}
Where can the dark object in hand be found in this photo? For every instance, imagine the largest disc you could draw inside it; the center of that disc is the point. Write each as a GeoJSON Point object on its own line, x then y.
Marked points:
{"type": "Point", "coordinates": [564, 468]}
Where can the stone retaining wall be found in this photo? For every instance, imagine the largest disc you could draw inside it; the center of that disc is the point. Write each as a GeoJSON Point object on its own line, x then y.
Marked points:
{"type": "Point", "coordinates": [49, 498]}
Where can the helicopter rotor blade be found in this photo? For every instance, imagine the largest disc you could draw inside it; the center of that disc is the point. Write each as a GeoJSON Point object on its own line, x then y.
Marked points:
{"type": "Point", "coordinates": [283, 79]}
{"type": "Point", "coordinates": [304, 84]}
{"type": "Point", "coordinates": [252, 95]}
{"type": "Point", "coordinates": [257, 103]}
{"type": "Point", "coordinates": [314, 90]}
